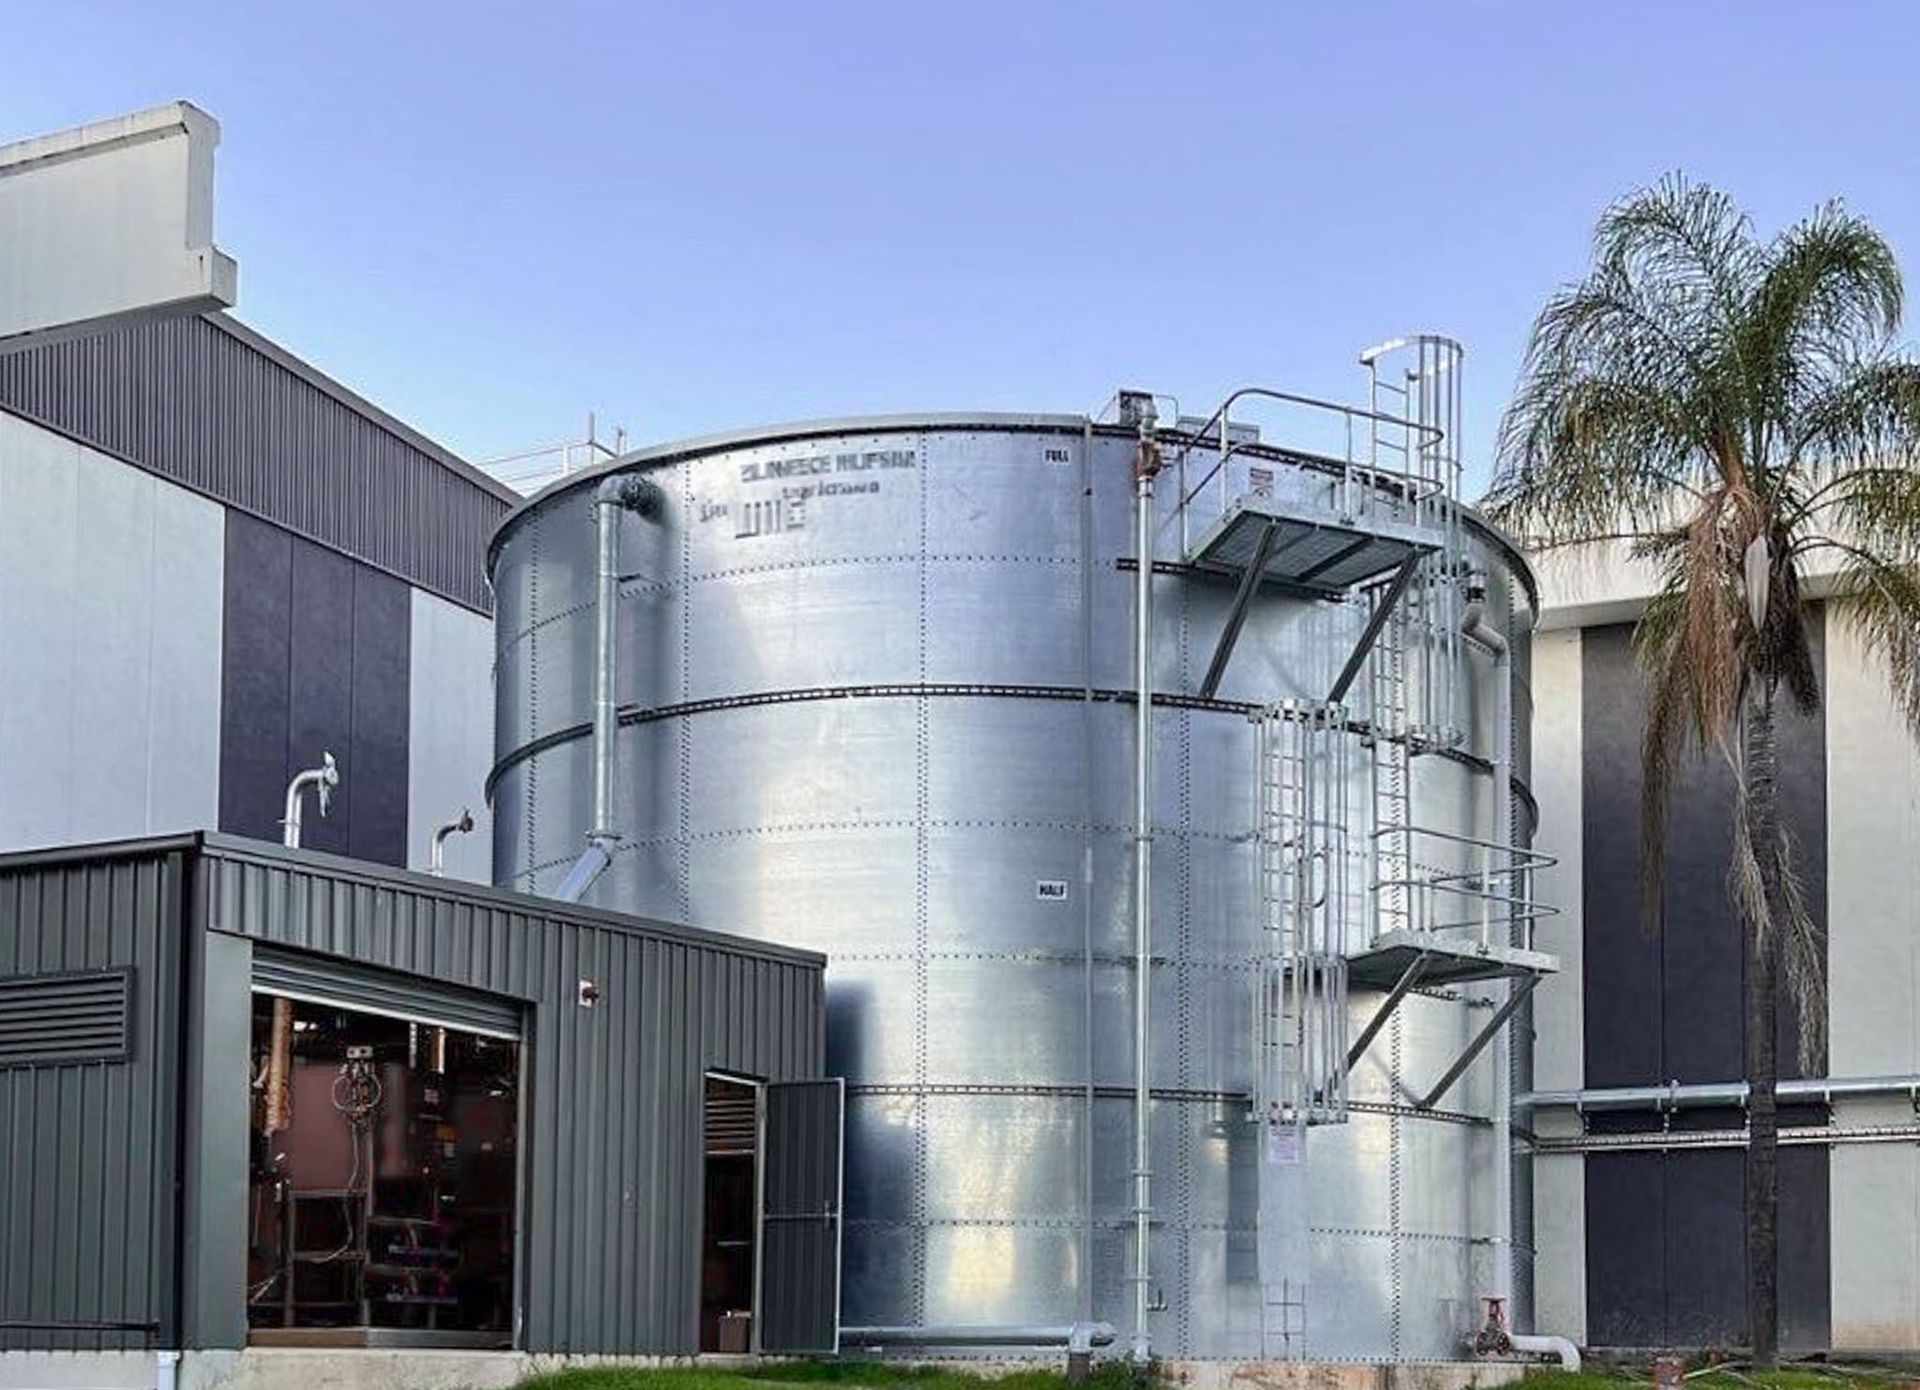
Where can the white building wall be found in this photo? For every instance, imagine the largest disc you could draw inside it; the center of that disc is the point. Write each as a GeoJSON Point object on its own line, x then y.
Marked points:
{"type": "Point", "coordinates": [1873, 914]}
{"type": "Point", "coordinates": [450, 734]}
{"type": "Point", "coordinates": [110, 624]}
{"type": "Point", "coordinates": [1559, 1198]}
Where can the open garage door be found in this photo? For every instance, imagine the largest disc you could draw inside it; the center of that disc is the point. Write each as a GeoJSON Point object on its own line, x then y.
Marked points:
{"type": "Point", "coordinates": [800, 1218]}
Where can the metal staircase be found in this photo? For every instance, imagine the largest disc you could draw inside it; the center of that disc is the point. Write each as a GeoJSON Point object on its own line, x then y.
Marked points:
{"type": "Point", "coordinates": [1372, 901]}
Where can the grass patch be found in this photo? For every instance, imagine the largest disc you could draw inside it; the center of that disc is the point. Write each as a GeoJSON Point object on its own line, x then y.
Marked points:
{"type": "Point", "coordinates": [1804, 1377]}
{"type": "Point", "coordinates": [879, 1375]}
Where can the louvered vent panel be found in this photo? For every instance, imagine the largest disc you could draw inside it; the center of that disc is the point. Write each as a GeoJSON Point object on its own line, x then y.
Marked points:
{"type": "Point", "coordinates": [50, 1019]}
{"type": "Point", "coordinates": [732, 1120]}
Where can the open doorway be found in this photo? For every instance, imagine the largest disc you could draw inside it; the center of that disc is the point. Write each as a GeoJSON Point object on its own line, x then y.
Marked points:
{"type": "Point", "coordinates": [382, 1179]}
{"type": "Point", "coordinates": [729, 1247]}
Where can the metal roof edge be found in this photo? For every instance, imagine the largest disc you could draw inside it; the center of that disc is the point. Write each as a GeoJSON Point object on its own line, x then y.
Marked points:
{"type": "Point", "coordinates": [217, 845]}
{"type": "Point", "coordinates": [360, 405]}
{"type": "Point", "coordinates": [135, 847]}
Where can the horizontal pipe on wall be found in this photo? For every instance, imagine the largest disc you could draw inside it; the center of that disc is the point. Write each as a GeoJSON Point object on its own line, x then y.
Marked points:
{"type": "Point", "coordinates": [1676, 1096]}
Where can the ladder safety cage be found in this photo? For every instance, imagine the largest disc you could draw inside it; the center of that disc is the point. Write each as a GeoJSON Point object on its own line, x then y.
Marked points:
{"type": "Point", "coordinates": [1306, 896]}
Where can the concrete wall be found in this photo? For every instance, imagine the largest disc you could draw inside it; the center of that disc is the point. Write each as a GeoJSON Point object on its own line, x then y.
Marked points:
{"type": "Point", "coordinates": [110, 621]}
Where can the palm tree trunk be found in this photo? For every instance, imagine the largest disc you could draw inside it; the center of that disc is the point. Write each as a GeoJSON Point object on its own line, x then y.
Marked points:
{"type": "Point", "coordinates": [1760, 755]}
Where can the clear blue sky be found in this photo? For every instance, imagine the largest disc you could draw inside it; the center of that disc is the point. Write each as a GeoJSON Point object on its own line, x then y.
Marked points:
{"type": "Point", "coordinates": [491, 219]}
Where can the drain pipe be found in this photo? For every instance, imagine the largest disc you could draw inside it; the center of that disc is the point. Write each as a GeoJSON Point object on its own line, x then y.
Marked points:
{"type": "Point", "coordinates": [620, 493]}
{"type": "Point", "coordinates": [437, 847]}
{"type": "Point", "coordinates": [166, 1370]}
{"type": "Point", "coordinates": [323, 779]}
{"type": "Point", "coordinates": [1146, 465]}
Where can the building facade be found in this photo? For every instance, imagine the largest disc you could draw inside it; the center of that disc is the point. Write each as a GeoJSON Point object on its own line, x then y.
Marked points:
{"type": "Point", "coordinates": [216, 564]}
{"type": "Point", "coordinates": [1637, 1129]}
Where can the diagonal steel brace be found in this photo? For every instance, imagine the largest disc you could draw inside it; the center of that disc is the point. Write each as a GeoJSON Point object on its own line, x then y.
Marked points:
{"type": "Point", "coordinates": [1521, 989]}
{"type": "Point", "coordinates": [1408, 979]}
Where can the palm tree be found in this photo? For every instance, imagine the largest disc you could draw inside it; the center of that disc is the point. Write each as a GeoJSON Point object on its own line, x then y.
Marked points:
{"type": "Point", "coordinates": [1736, 411]}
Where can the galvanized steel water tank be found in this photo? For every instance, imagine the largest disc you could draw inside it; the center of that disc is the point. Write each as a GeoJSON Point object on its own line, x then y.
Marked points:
{"type": "Point", "coordinates": [874, 691]}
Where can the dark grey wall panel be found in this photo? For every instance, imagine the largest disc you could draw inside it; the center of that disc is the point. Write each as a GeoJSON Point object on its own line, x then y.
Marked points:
{"type": "Point", "coordinates": [255, 673]}
{"type": "Point", "coordinates": [88, 1151]}
{"type": "Point", "coordinates": [1705, 1248]}
{"type": "Point", "coordinates": [1620, 961]}
{"type": "Point", "coordinates": [209, 404]}
{"type": "Point", "coordinates": [382, 653]}
{"type": "Point", "coordinates": [316, 654]}
{"type": "Point", "coordinates": [1626, 1253]}
{"type": "Point", "coordinates": [1806, 1248]}
{"type": "Point", "coordinates": [320, 686]}
{"type": "Point", "coordinates": [1667, 1006]}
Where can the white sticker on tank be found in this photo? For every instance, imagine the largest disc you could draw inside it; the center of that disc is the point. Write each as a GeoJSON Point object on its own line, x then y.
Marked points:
{"type": "Point", "coordinates": [1050, 890]}
{"type": "Point", "coordinates": [1056, 453]}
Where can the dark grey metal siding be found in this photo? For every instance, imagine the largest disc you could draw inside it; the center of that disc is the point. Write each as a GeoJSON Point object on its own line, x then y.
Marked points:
{"type": "Point", "coordinates": [209, 404]}
{"type": "Point", "coordinates": [316, 650]}
{"type": "Point", "coordinates": [610, 1236]}
{"type": "Point", "coordinates": [1666, 1257]}
{"type": "Point", "coordinates": [88, 1150]}
{"type": "Point", "coordinates": [800, 1218]}
{"type": "Point", "coordinates": [90, 1227]}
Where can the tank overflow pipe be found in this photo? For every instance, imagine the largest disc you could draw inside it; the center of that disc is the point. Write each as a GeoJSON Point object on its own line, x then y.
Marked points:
{"type": "Point", "coordinates": [437, 846]}
{"type": "Point", "coordinates": [621, 492]}
{"type": "Point", "coordinates": [1497, 868]}
{"type": "Point", "coordinates": [1147, 465]}
{"type": "Point", "coordinates": [322, 779]}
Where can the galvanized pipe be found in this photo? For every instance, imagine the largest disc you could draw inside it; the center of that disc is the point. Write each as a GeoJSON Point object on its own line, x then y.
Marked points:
{"type": "Point", "coordinates": [1676, 1096]}
{"type": "Point", "coordinates": [606, 602]}
{"type": "Point", "coordinates": [437, 846]}
{"type": "Point", "coordinates": [322, 779]}
{"type": "Point", "coordinates": [1477, 629]}
{"type": "Point", "coordinates": [1075, 1337]}
{"type": "Point", "coordinates": [615, 494]}
{"type": "Point", "coordinates": [1146, 465]}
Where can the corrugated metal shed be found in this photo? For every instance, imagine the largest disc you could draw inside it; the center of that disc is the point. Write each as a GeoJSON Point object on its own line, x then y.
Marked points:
{"type": "Point", "coordinates": [209, 404]}
{"type": "Point", "coordinates": [611, 1201]}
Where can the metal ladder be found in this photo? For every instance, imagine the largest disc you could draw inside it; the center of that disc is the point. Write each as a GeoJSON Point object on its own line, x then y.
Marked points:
{"type": "Point", "coordinates": [1391, 740]}
{"type": "Point", "coordinates": [1304, 881]}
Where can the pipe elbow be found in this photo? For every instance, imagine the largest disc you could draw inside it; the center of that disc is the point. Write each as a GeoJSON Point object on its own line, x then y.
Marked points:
{"type": "Point", "coordinates": [1543, 1344]}
{"type": "Point", "coordinates": [1475, 628]}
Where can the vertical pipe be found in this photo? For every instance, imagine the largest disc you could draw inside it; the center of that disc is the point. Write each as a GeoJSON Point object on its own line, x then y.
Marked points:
{"type": "Point", "coordinates": [1145, 466]}
{"type": "Point", "coordinates": [606, 513]}
{"type": "Point", "coordinates": [1088, 811]}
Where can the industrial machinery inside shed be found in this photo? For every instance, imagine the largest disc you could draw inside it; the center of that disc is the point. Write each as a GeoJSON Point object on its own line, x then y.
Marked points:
{"type": "Point", "coordinates": [263, 1096]}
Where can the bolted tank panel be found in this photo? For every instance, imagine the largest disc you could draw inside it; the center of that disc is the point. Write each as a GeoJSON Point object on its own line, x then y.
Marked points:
{"type": "Point", "coordinates": [875, 694]}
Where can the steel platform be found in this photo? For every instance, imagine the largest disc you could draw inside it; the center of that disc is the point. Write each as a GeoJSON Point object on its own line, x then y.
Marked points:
{"type": "Point", "coordinates": [1451, 958]}
{"type": "Point", "coordinates": [1308, 546]}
